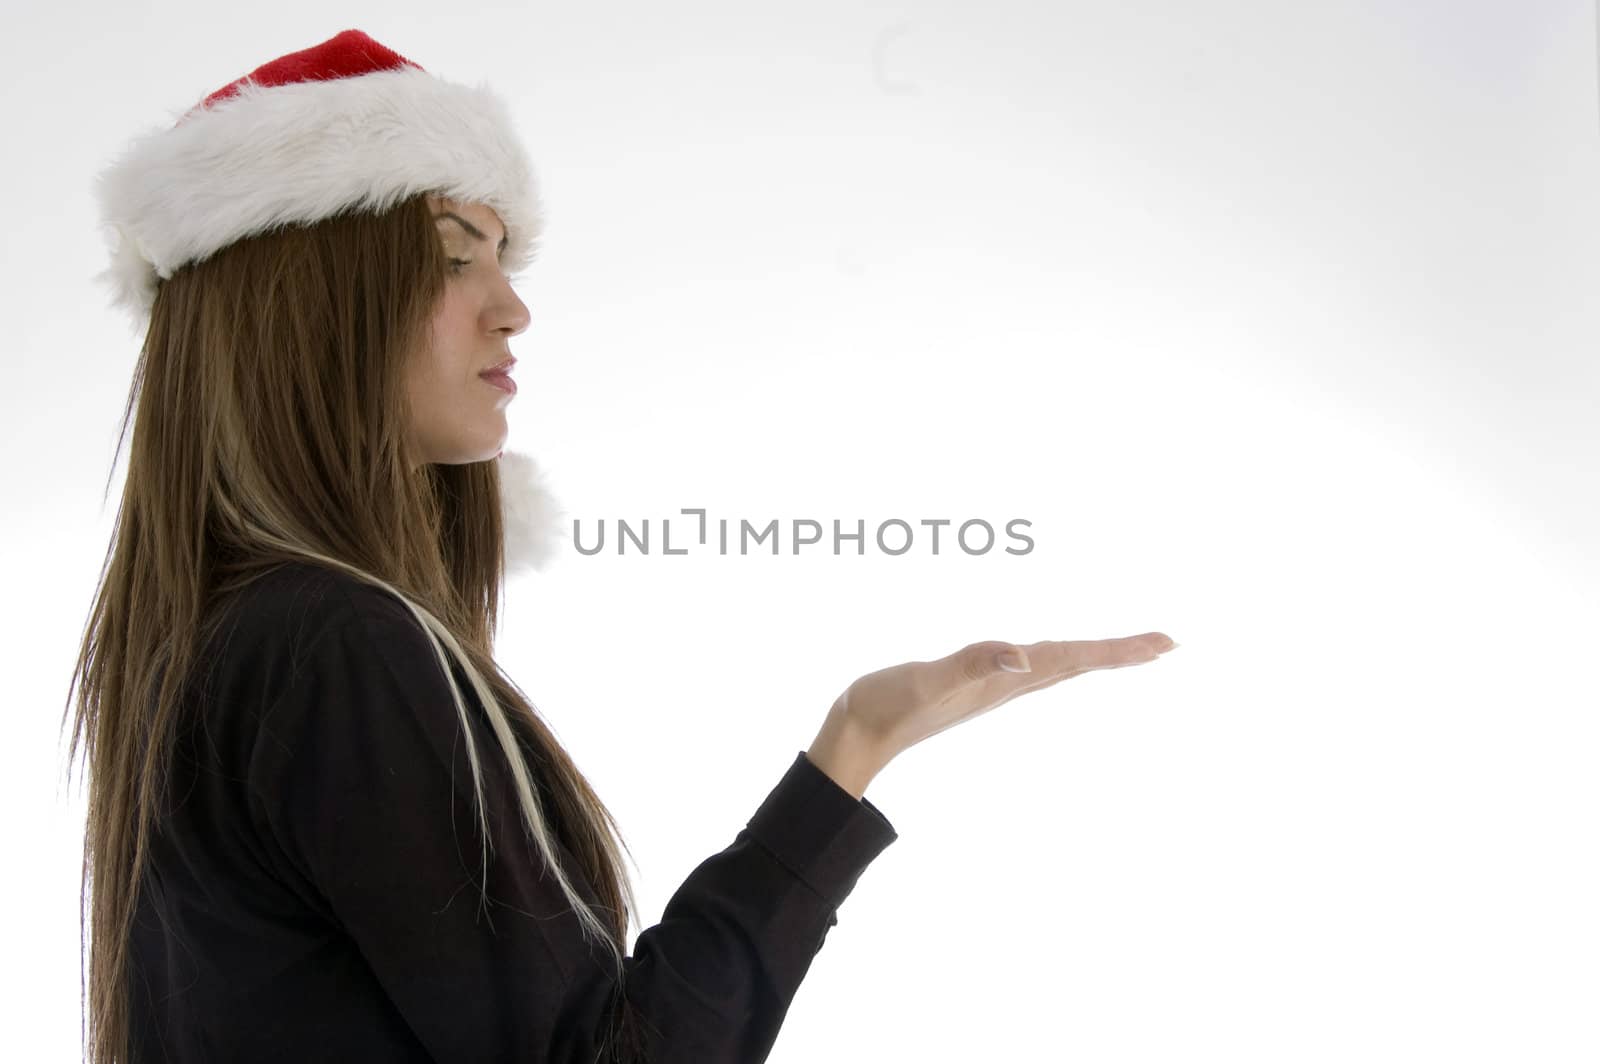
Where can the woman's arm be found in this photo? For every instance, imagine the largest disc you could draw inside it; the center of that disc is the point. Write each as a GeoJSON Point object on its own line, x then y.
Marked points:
{"type": "Point", "coordinates": [361, 782]}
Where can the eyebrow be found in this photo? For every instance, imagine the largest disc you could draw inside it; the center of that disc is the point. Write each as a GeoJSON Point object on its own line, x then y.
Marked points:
{"type": "Point", "coordinates": [472, 230]}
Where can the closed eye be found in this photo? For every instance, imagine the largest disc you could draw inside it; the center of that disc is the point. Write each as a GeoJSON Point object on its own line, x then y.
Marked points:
{"type": "Point", "coordinates": [457, 265]}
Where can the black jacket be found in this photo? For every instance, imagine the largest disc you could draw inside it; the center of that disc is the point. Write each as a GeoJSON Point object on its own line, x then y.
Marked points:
{"type": "Point", "coordinates": [314, 891]}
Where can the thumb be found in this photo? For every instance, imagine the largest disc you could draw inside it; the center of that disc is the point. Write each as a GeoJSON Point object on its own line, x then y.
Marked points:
{"type": "Point", "coordinates": [982, 660]}
{"type": "Point", "coordinates": [1014, 659]}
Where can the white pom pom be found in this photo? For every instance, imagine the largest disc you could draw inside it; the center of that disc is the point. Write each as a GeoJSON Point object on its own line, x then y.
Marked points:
{"type": "Point", "coordinates": [534, 522]}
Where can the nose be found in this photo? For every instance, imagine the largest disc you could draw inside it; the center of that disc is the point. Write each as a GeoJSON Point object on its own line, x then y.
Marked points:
{"type": "Point", "coordinates": [510, 310]}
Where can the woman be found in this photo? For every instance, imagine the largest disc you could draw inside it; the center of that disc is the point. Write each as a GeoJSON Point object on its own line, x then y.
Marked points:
{"type": "Point", "coordinates": [323, 825]}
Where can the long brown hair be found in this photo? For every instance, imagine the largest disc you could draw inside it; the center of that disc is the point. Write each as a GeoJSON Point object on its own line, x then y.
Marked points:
{"type": "Point", "coordinates": [271, 428]}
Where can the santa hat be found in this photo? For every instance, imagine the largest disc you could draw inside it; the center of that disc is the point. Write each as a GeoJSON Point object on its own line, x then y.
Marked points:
{"type": "Point", "coordinates": [348, 124]}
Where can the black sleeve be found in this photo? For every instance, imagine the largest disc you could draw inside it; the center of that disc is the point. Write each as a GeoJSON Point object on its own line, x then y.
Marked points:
{"type": "Point", "coordinates": [360, 779]}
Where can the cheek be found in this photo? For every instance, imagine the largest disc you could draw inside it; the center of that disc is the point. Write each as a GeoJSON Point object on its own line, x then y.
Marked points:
{"type": "Point", "coordinates": [427, 376]}
{"type": "Point", "coordinates": [454, 329]}
{"type": "Point", "coordinates": [442, 380]}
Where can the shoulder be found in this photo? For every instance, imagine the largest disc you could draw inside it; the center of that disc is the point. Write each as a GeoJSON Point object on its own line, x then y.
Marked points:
{"type": "Point", "coordinates": [299, 627]}
{"type": "Point", "coordinates": [300, 603]}
{"type": "Point", "coordinates": [360, 698]}
{"type": "Point", "coordinates": [317, 619]}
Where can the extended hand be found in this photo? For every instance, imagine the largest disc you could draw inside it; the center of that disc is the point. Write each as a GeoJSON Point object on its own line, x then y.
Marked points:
{"type": "Point", "coordinates": [900, 706]}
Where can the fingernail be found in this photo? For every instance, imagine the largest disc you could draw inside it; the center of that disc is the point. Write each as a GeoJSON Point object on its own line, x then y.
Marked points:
{"type": "Point", "coordinates": [1014, 661]}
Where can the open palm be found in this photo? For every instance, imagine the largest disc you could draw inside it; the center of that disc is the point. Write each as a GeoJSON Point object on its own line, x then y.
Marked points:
{"type": "Point", "coordinates": [904, 704]}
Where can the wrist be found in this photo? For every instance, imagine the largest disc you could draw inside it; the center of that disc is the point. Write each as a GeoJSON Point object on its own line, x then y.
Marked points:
{"type": "Point", "coordinates": [847, 754]}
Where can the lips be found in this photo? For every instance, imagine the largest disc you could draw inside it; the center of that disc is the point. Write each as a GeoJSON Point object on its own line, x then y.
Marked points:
{"type": "Point", "coordinates": [502, 381]}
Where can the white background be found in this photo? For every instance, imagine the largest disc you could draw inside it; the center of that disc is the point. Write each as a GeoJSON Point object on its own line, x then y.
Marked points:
{"type": "Point", "coordinates": [1277, 321]}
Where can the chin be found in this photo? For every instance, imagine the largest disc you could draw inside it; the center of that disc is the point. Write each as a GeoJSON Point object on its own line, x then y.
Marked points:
{"type": "Point", "coordinates": [468, 455]}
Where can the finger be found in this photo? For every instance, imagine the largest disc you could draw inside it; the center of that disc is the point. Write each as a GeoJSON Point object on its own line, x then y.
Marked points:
{"type": "Point", "coordinates": [1039, 679]}
{"type": "Point", "coordinates": [1048, 662]}
{"type": "Point", "coordinates": [1055, 661]}
{"type": "Point", "coordinates": [1082, 655]}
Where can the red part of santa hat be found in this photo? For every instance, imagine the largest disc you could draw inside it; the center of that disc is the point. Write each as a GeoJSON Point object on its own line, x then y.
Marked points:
{"type": "Point", "coordinates": [346, 124]}
{"type": "Point", "coordinates": [349, 54]}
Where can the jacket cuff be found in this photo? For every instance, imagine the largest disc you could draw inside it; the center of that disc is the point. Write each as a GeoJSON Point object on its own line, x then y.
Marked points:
{"type": "Point", "coordinates": [819, 831]}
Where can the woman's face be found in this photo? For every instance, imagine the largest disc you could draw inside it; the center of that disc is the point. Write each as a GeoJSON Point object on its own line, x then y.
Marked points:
{"type": "Point", "coordinates": [456, 416]}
